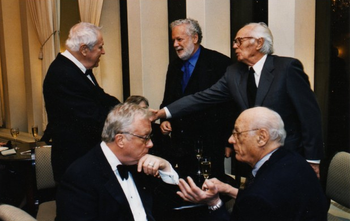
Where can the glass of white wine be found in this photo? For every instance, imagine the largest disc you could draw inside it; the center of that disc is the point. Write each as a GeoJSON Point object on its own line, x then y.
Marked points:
{"type": "Point", "coordinates": [14, 133]}
{"type": "Point", "coordinates": [198, 151]}
{"type": "Point", "coordinates": [35, 134]}
{"type": "Point", "coordinates": [206, 167]}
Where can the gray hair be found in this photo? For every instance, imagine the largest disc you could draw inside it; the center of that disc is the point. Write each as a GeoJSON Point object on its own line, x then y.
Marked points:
{"type": "Point", "coordinates": [82, 33]}
{"type": "Point", "coordinates": [260, 30]}
{"type": "Point", "coordinates": [193, 27]}
{"type": "Point", "coordinates": [137, 99]}
{"type": "Point", "coordinates": [120, 119]}
{"type": "Point", "coordinates": [273, 122]}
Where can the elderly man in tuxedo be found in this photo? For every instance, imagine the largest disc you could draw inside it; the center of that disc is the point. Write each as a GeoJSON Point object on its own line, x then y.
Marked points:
{"type": "Point", "coordinates": [262, 79]}
{"type": "Point", "coordinates": [110, 182]}
{"type": "Point", "coordinates": [283, 187]}
{"type": "Point", "coordinates": [76, 105]}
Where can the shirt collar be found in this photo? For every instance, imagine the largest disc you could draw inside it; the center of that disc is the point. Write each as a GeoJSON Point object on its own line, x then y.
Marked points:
{"type": "Point", "coordinates": [111, 157]}
{"type": "Point", "coordinates": [262, 161]}
{"type": "Point", "coordinates": [258, 66]}
{"type": "Point", "coordinates": [68, 55]}
{"type": "Point", "coordinates": [193, 60]}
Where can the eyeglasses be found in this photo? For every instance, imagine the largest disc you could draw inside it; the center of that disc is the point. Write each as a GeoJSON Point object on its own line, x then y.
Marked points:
{"type": "Point", "coordinates": [238, 41]}
{"type": "Point", "coordinates": [235, 133]}
{"type": "Point", "coordinates": [145, 138]}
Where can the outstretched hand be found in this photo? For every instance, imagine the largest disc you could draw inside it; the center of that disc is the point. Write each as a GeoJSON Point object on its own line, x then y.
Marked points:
{"type": "Point", "coordinates": [156, 114]}
{"type": "Point", "coordinates": [191, 192]}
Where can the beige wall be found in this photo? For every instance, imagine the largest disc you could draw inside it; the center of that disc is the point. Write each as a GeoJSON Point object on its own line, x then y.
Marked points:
{"type": "Point", "coordinates": [292, 24]}
{"type": "Point", "coordinates": [148, 48]}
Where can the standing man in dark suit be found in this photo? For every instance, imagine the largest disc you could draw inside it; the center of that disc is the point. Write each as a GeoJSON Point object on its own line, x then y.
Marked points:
{"type": "Point", "coordinates": [284, 186]}
{"type": "Point", "coordinates": [96, 187]}
{"type": "Point", "coordinates": [195, 69]}
{"type": "Point", "coordinates": [76, 105]}
{"type": "Point", "coordinates": [280, 84]}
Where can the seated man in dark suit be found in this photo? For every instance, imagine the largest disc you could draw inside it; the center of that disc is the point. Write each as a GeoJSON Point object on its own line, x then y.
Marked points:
{"type": "Point", "coordinates": [96, 187]}
{"type": "Point", "coordinates": [283, 187]}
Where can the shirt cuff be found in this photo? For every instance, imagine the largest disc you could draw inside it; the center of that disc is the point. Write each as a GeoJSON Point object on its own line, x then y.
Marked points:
{"type": "Point", "coordinates": [314, 161]}
{"type": "Point", "coordinates": [167, 113]}
{"type": "Point", "coordinates": [169, 177]}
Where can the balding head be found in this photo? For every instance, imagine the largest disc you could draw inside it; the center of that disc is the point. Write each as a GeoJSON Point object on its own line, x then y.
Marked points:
{"type": "Point", "coordinates": [257, 132]}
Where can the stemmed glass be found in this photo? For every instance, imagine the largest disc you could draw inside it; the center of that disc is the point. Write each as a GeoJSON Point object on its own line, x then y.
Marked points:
{"type": "Point", "coordinates": [206, 167]}
{"type": "Point", "coordinates": [14, 133]}
{"type": "Point", "coordinates": [199, 152]}
{"type": "Point", "coordinates": [35, 134]}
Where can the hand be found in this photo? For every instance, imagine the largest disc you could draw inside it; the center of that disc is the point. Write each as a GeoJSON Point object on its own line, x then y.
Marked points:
{"type": "Point", "coordinates": [153, 114]}
{"type": "Point", "coordinates": [191, 192]}
{"type": "Point", "coordinates": [2, 143]}
{"type": "Point", "coordinates": [165, 127]}
{"type": "Point", "coordinates": [225, 188]}
{"type": "Point", "coordinates": [151, 164]}
{"type": "Point", "coordinates": [316, 168]}
{"type": "Point", "coordinates": [156, 114]}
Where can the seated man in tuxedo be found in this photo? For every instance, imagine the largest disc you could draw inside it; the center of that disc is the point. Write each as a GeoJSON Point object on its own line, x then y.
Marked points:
{"type": "Point", "coordinates": [97, 186]}
{"type": "Point", "coordinates": [283, 187]}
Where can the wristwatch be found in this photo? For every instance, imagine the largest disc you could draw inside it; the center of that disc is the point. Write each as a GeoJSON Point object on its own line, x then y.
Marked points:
{"type": "Point", "coordinates": [217, 206]}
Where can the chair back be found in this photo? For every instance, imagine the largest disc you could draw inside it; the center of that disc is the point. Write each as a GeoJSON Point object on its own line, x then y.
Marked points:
{"type": "Point", "coordinates": [338, 179]}
{"type": "Point", "coordinates": [12, 213]}
{"type": "Point", "coordinates": [43, 168]}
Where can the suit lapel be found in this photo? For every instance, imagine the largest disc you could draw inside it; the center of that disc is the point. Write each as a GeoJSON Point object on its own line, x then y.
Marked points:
{"type": "Point", "coordinates": [243, 79]}
{"type": "Point", "coordinates": [112, 185]}
{"type": "Point", "coordinates": [142, 188]}
{"type": "Point", "coordinates": [265, 82]}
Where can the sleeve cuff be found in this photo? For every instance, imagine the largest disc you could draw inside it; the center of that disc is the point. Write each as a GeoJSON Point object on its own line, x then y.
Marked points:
{"type": "Point", "coordinates": [167, 113]}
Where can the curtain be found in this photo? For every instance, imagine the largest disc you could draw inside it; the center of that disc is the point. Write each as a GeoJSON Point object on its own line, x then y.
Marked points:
{"type": "Point", "coordinates": [46, 18]}
{"type": "Point", "coordinates": [90, 11]}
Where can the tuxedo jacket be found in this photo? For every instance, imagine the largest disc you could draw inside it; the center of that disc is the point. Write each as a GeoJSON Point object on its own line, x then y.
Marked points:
{"type": "Point", "coordinates": [76, 111]}
{"type": "Point", "coordinates": [212, 126]}
{"type": "Point", "coordinates": [283, 87]}
{"type": "Point", "coordinates": [89, 190]}
{"type": "Point", "coordinates": [284, 188]}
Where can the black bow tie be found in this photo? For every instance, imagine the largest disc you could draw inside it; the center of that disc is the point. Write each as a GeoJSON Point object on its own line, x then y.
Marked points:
{"type": "Point", "coordinates": [88, 72]}
{"type": "Point", "coordinates": [124, 170]}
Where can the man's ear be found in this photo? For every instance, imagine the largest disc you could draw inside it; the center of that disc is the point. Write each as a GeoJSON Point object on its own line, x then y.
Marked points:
{"type": "Point", "coordinates": [195, 39]}
{"type": "Point", "coordinates": [83, 49]}
{"type": "Point", "coordinates": [119, 140]}
{"type": "Point", "coordinates": [260, 42]}
{"type": "Point", "coordinates": [263, 137]}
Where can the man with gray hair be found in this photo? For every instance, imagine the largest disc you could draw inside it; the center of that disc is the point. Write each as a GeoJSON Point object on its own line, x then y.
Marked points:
{"type": "Point", "coordinates": [262, 79]}
{"type": "Point", "coordinates": [284, 186]}
{"type": "Point", "coordinates": [75, 104]}
{"type": "Point", "coordinates": [110, 182]}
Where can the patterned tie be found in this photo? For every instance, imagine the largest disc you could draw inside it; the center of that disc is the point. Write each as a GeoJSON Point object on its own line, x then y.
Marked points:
{"type": "Point", "coordinates": [187, 75]}
{"type": "Point", "coordinates": [251, 88]}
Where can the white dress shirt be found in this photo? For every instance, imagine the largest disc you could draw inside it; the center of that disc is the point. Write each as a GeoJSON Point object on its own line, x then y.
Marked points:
{"type": "Point", "coordinates": [68, 55]}
{"type": "Point", "coordinates": [129, 187]}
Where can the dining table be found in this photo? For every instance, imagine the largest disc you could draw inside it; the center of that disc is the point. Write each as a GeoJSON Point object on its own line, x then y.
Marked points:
{"type": "Point", "coordinates": [17, 177]}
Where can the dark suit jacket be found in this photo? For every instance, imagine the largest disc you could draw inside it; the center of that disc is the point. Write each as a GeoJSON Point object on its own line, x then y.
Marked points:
{"type": "Point", "coordinates": [89, 190]}
{"type": "Point", "coordinates": [284, 189]}
{"type": "Point", "coordinates": [213, 125]}
{"type": "Point", "coordinates": [283, 87]}
{"type": "Point", "coordinates": [76, 112]}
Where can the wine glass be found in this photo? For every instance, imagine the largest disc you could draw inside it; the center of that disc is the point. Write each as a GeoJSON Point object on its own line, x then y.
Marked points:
{"type": "Point", "coordinates": [199, 151]}
{"type": "Point", "coordinates": [14, 133]}
{"type": "Point", "coordinates": [206, 167]}
{"type": "Point", "coordinates": [35, 134]}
